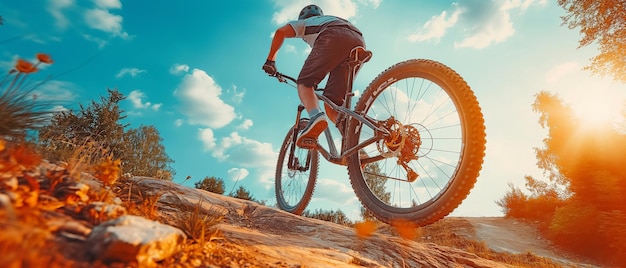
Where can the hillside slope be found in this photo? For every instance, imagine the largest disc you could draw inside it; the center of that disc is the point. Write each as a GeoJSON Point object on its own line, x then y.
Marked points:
{"type": "Point", "coordinates": [49, 219]}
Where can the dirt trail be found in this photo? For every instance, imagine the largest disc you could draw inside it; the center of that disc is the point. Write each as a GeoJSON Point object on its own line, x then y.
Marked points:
{"type": "Point", "coordinates": [517, 237]}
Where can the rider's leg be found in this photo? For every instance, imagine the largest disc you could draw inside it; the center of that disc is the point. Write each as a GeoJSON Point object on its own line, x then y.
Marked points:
{"type": "Point", "coordinates": [317, 122]}
{"type": "Point", "coordinates": [308, 99]}
{"type": "Point", "coordinates": [332, 114]}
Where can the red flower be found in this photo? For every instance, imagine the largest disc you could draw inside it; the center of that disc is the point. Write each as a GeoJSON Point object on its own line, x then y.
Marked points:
{"type": "Point", "coordinates": [24, 66]}
{"type": "Point", "coordinates": [45, 58]}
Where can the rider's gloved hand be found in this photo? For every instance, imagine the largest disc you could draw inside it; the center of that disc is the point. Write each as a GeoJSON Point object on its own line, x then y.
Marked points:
{"type": "Point", "coordinates": [270, 67]}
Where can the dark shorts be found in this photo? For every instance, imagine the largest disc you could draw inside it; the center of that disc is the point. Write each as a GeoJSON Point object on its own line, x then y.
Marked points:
{"type": "Point", "coordinates": [332, 48]}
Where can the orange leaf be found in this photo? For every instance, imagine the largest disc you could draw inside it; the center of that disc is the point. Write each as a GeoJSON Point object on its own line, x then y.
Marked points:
{"type": "Point", "coordinates": [406, 229]}
{"type": "Point", "coordinates": [365, 229]}
{"type": "Point", "coordinates": [25, 156]}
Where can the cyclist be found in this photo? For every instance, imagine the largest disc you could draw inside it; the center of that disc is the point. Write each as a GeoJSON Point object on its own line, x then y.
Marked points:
{"type": "Point", "coordinates": [331, 39]}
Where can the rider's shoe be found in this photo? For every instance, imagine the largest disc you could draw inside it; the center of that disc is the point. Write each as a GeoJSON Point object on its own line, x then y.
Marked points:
{"type": "Point", "coordinates": [308, 137]}
{"type": "Point", "coordinates": [303, 123]}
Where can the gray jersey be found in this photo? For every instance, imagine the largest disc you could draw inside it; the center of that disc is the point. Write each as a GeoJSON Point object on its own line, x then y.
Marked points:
{"type": "Point", "coordinates": [308, 29]}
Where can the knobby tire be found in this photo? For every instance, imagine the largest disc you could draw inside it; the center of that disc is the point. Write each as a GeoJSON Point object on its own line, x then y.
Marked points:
{"type": "Point", "coordinates": [469, 158]}
{"type": "Point", "coordinates": [294, 188]}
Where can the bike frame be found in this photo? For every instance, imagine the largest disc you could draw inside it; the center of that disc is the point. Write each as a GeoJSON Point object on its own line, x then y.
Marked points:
{"type": "Point", "coordinates": [344, 113]}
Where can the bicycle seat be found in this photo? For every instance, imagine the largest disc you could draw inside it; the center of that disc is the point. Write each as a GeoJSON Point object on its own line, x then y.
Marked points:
{"type": "Point", "coordinates": [359, 55]}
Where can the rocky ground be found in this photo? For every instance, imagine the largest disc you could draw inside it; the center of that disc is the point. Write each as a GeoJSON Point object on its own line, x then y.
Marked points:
{"type": "Point", "coordinates": [49, 219]}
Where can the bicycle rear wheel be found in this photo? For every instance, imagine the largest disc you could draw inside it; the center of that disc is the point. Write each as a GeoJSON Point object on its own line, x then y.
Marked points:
{"type": "Point", "coordinates": [296, 172]}
{"type": "Point", "coordinates": [431, 158]}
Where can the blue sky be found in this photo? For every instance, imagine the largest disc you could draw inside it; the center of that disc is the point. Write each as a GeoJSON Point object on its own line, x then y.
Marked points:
{"type": "Point", "coordinates": [192, 68]}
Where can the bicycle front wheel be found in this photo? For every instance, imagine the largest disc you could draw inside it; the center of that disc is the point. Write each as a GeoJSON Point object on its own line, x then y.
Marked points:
{"type": "Point", "coordinates": [296, 172]}
{"type": "Point", "coordinates": [429, 160]}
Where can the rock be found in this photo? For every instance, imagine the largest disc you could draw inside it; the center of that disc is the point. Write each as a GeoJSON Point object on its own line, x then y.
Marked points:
{"type": "Point", "coordinates": [131, 238]}
{"type": "Point", "coordinates": [275, 236]}
{"type": "Point", "coordinates": [101, 211]}
{"type": "Point", "coordinates": [71, 191]}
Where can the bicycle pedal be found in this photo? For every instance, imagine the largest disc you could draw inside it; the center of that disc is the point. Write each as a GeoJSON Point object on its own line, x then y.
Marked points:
{"type": "Point", "coordinates": [308, 143]}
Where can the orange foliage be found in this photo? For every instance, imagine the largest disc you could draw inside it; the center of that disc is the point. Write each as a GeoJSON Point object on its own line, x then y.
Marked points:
{"type": "Point", "coordinates": [365, 229]}
{"type": "Point", "coordinates": [406, 229]}
{"type": "Point", "coordinates": [108, 171]}
{"type": "Point", "coordinates": [14, 158]}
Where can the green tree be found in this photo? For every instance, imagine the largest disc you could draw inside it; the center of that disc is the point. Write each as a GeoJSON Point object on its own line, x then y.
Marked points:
{"type": "Point", "coordinates": [99, 122]}
{"type": "Point", "coordinates": [539, 205]}
{"type": "Point", "coordinates": [211, 184]}
{"type": "Point", "coordinates": [97, 129]}
{"type": "Point", "coordinates": [242, 193]}
{"type": "Point", "coordinates": [337, 217]}
{"type": "Point", "coordinates": [376, 181]}
{"type": "Point", "coordinates": [144, 153]}
{"type": "Point", "coordinates": [603, 22]}
{"type": "Point", "coordinates": [583, 200]}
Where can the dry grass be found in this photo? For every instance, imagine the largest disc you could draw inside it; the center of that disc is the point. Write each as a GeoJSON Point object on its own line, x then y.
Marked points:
{"type": "Point", "coordinates": [28, 241]}
{"type": "Point", "coordinates": [19, 109]}
{"type": "Point", "coordinates": [28, 203]}
{"type": "Point", "coordinates": [33, 197]}
{"type": "Point", "coordinates": [444, 233]}
{"type": "Point", "coordinates": [197, 225]}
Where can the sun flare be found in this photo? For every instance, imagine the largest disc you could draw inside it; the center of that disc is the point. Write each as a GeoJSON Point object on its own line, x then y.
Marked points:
{"type": "Point", "coordinates": [597, 108]}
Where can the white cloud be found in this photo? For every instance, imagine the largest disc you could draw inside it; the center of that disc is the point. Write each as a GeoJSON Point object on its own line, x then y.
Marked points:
{"type": "Point", "coordinates": [108, 4]}
{"type": "Point", "coordinates": [289, 48]}
{"type": "Point", "coordinates": [101, 42]}
{"type": "Point", "coordinates": [59, 108]}
{"type": "Point", "coordinates": [103, 20]}
{"type": "Point", "coordinates": [97, 16]}
{"type": "Point", "coordinates": [239, 150]}
{"type": "Point", "coordinates": [208, 138]}
{"type": "Point", "coordinates": [179, 68]}
{"type": "Point", "coordinates": [557, 72]}
{"type": "Point", "coordinates": [374, 3]}
{"type": "Point", "coordinates": [56, 91]}
{"type": "Point", "coordinates": [524, 4]}
{"type": "Point", "coordinates": [237, 96]}
{"type": "Point", "coordinates": [129, 71]}
{"type": "Point", "coordinates": [238, 174]}
{"type": "Point", "coordinates": [246, 124]}
{"type": "Point", "coordinates": [436, 27]}
{"type": "Point", "coordinates": [334, 191]}
{"type": "Point", "coordinates": [266, 177]}
{"type": "Point", "coordinates": [288, 10]}
{"type": "Point", "coordinates": [136, 98]}
{"type": "Point", "coordinates": [178, 122]}
{"type": "Point", "coordinates": [483, 22]}
{"type": "Point", "coordinates": [202, 105]}
{"type": "Point", "coordinates": [56, 9]}
{"type": "Point", "coordinates": [490, 23]}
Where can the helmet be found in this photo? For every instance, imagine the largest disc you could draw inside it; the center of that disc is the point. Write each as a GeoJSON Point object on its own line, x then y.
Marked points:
{"type": "Point", "coordinates": [310, 11]}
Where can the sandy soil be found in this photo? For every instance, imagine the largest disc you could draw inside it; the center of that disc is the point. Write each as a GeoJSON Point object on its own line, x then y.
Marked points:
{"type": "Point", "coordinates": [516, 237]}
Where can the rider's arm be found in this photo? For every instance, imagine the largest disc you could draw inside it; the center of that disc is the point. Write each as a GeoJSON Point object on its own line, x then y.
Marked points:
{"type": "Point", "coordinates": [279, 36]}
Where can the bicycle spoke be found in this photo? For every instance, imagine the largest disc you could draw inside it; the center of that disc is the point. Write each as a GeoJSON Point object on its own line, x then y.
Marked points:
{"type": "Point", "coordinates": [295, 181]}
{"type": "Point", "coordinates": [428, 114]}
{"type": "Point", "coordinates": [419, 101]}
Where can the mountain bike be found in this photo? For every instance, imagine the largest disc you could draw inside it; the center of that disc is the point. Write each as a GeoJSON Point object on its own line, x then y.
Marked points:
{"type": "Point", "coordinates": [413, 144]}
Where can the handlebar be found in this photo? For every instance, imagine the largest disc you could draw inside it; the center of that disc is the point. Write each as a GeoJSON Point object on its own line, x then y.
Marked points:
{"type": "Point", "coordinates": [283, 77]}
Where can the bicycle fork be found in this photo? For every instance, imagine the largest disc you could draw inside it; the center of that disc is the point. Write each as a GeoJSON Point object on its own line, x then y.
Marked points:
{"type": "Point", "coordinates": [293, 162]}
